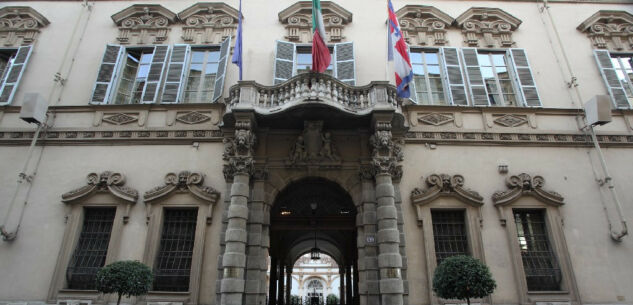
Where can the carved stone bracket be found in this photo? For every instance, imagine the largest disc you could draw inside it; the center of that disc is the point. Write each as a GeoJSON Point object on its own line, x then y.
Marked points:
{"type": "Point", "coordinates": [19, 25]}
{"type": "Point", "coordinates": [440, 185]}
{"type": "Point", "coordinates": [611, 30]}
{"type": "Point", "coordinates": [424, 25]}
{"type": "Point", "coordinates": [106, 182]}
{"type": "Point", "coordinates": [297, 19]}
{"type": "Point", "coordinates": [524, 185]}
{"type": "Point", "coordinates": [386, 153]}
{"type": "Point", "coordinates": [144, 23]}
{"type": "Point", "coordinates": [185, 182]}
{"type": "Point", "coordinates": [239, 151]}
{"type": "Point", "coordinates": [487, 27]}
{"type": "Point", "coordinates": [208, 22]}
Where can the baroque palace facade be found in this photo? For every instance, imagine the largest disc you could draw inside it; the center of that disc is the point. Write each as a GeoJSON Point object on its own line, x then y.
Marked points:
{"type": "Point", "coordinates": [152, 150]}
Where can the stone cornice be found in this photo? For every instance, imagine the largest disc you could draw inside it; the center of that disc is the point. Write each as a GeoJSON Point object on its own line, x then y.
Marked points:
{"type": "Point", "coordinates": [522, 185]}
{"type": "Point", "coordinates": [297, 19]}
{"type": "Point", "coordinates": [21, 17]}
{"type": "Point", "coordinates": [609, 29]}
{"type": "Point", "coordinates": [208, 22]}
{"type": "Point", "coordinates": [487, 27]}
{"type": "Point", "coordinates": [422, 23]}
{"type": "Point", "coordinates": [445, 185]}
{"type": "Point", "coordinates": [140, 10]}
{"type": "Point", "coordinates": [144, 23]}
{"type": "Point", "coordinates": [183, 182]}
{"type": "Point", "coordinates": [108, 182]}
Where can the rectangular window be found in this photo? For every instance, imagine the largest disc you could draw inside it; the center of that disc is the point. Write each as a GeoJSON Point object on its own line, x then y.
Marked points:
{"type": "Point", "coordinates": [173, 262]}
{"type": "Point", "coordinates": [303, 62]}
{"type": "Point", "coordinates": [292, 59]}
{"type": "Point", "coordinates": [427, 77]}
{"type": "Point", "coordinates": [133, 78]}
{"type": "Point", "coordinates": [12, 65]}
{"type": "Point", "coordinates": [449, 233]}
{"type": "Point", "coordinates": [541, 268]}
{"type": "Point", "coordinates": [623, 68]}
{"type": "Point", "coordinates": [92, 248]}
{"type": "Point", "coordinates": [494, 70]}
{"type": "Point", "coordinates": [201, 75]}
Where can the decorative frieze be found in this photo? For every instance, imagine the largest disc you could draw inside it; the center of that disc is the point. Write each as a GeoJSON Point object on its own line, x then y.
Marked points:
{"type": "Point", "coordinates": [435, 119]}
{"type": "Point", "coordinates": [423, 25]}
{"type": "Point", "coordinates": [297, 19]}
{"type": "Point", "coordinates": [487, 27]}
{"type": "Point", "coordinates": [120, 118]}
{"type": "Point", "coordinates": [144, 24]}
{"type": "Point", "coordinates": [19, 25]}
{"type": "Point", "coordinates": [208, 22]}
{"type": "Point", "coordinates": [611, 30]}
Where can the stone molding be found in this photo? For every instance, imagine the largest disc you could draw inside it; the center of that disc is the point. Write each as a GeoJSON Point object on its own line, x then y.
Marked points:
{"type": "Point", "coordinates": [297, 19]}
{"type": "Point", "coordinates": [19, 25]}
{"type": "Point", "coordinates": [212, 22]}
{"type": "Point", "coordinates": [487, 27]}
{"type": "Point", "coordinates": [106, 182]}
{"type": "Point", "coordinates": [445, 185]}
{"type": "Point", "coordinates": [608, 29]}
{"type": "Point", "coordinates": [523, 185]}
{"type": "Point", "coordinates": [143, 24]}
{"type": "Point", "coordinates": [424, 25]}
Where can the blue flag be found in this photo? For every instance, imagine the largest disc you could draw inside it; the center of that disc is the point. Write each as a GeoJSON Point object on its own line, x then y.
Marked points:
{"type": "Point", "coordinates": [237, 52]}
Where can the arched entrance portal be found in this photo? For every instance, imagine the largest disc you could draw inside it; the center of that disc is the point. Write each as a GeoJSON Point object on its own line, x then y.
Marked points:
{"type": "Point", "coordinates": [311, 214]}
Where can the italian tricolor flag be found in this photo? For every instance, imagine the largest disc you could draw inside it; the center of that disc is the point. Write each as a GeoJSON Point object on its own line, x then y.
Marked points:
{"type": "Point", "coordinates": [320, 52]}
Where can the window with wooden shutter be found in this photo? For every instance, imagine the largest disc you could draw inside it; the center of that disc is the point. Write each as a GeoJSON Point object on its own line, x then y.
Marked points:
{"type": "Point", "coordinates": [106, 75]}
{"type": "Point", "coordinates": [412, 87]}
{"type": "Point", "coordinates": [14, 67]}
{"type": "Point", "coordinates": [428, 82]}
{"type": "Point", "coordinates": [617, 75]}
{"type": "Point", "coordinates": [221, 72]}
{"type": "Point", "coordinates": [452, 75]}
{"type": "Point", "coordinates": [283, 68]}
{"type": "Point", "coordinates": [132, 79]}
{"type": "Point", "coordinates": [476, 86]}
{"type": "Point", "coordinates": [176, 73]}
{"type": "Point", "coordinates": [524, 78]}
{"type": "Point", "coordinates": [155, 74]}
{"type": "Point", "coordinates": [345, 64]}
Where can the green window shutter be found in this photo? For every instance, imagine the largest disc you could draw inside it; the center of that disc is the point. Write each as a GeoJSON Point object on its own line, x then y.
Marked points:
{"type": "Point", "coordinates": [611, 79]}
{"type": "Point", "coordinates": [345, 68]}
{"type": "Point", "coordinates": [106, 75]}
{"type": "Point", "coordinates": [218, 89]}
{"type": "Point", "coordinates": [9, 84]}
{"type": "Point", "coordinates": [477, 88]}
{"type": "Point", "coordinates": [452, 77]}
{"type": "Point", "coordinates": [284, 67]}
{"type": "Point", "coordinates": [155, 74]}
{"type": "Point", "coordinates": [523, 77]}
{"type": "Point", "coordinates": [176, 73]}
{"type": "Point", "coordinates": [412, 90]}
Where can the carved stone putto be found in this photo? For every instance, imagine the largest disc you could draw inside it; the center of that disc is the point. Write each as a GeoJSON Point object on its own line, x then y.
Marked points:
{"type": "Point", "coordinates": [445, 185]}
{"type": "Point", "coordinates": [313, 146]}
{"type": "Point", "coordinates": [611, 30]}
{"type": "Point", "coordinates": [143, 23]}
{"type": "Point", "coordinates": [208, 22]}
{"type": "Point", "coordinates": [19, 25]}
{"type": "Point", "coordinates": [423, 25]}
{"type": "Point", "coordinates": [522, 185]}
{"type": "Point", "coordinates": [297, 19]}
{"type": "Point", "coordinates": [106, 182]}
{"type": "Point", "coordinates": [487, 27]}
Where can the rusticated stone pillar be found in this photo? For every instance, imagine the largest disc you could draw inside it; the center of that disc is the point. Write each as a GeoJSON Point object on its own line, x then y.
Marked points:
{"type": "Point", "coordinates": [239, 155]}
{"type": "Point", "coordinates": [348, 285]}
{"type": "Point", "coordinates": [369, 285]}
{"type": "Point", "coordinates": [255, 252]}
{"type": "Point", "coordinates": [288, 283]}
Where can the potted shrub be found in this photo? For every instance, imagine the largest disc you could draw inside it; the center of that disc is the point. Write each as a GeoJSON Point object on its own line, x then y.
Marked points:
{"type": "Point", "coordinates": [463, 277]}
{"type": "Point", "coordinates": [125, 278]}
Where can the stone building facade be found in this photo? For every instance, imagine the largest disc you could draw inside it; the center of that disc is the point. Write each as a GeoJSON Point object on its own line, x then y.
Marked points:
{"type": "Point", "coordinates": [152, 150]}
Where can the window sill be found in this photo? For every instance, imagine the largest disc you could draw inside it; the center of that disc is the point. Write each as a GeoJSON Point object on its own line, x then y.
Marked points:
{"type": "Point", "coordinates": [168, 296]}
{"type": "Point", "coordinates": [548, 292]}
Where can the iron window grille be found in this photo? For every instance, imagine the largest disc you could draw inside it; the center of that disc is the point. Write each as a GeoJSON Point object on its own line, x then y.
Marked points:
{"type": "Point", "coordinates": [541, 268]}
{"type": "Point", "coordinates": [92, 248]}
{"type": "Point", "coordinates": [449, 234]}
{"type": "Point", "coordinates": [173, 263]}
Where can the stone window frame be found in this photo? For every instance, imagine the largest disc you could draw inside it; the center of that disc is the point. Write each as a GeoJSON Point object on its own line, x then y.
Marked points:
{"type": "Point", "coordinates": [609, 29]}
{"type": "Point", "coordinates": [24, 24]}
{"type": "Point", "coordinates": [526, 192]}
{"type": "Point", "coordinates": [446, 192]}
{"type": "Point", "coordinates": [144, 22]}
{"type": "Point", "coordinates": [212, 22]}
{"type": "Point", "coordinates": [102, 190]}
{"type": "Point", "coordinates": [182, 190]}
{"type": "Point", "coordinates": [422, 23]}
{"type": "Point", "coordinates": [487, 27]}
{"type": "Point", "coordinates": [297, 19]}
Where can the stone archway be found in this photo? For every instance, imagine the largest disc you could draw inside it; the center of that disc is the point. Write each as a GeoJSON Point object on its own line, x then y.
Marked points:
{"type": "Point", "coordinates": [312, 213]}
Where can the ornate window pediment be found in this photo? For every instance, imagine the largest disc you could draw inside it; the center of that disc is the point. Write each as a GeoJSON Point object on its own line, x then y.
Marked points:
{"type": "Point", "coordinates": [208, 22]}
{"type": "Point", "coordinates": [423, 25]}
{"type": "Point", "coordinates": [487, 27]}
{"type": "Point", "coordinates": [144, 23]}
{"type": "Point", "coordinates": [297, 19]}
{"type": "Point", "coordinates": [19, 25]}
{"type": "Point", "coordinates": [611, 30]}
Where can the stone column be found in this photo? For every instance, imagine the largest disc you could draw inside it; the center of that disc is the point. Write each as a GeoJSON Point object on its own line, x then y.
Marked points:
{"type": "Point", "coordinates": [272, 288]}
{"type": "Point", "coordinates": [288, 283]}
{"type": "Point", "coordinates": [280, 291]}
{"type": "Point", "coordinates": [355, 282]}
{"type": "Point", "coordinates": [386, 153]}
{"type": "Point", "coordinates": [369, 285]}
{"type": "Point", "coordinates": [341, 280]}
{"type": "Point", "coordinates": [348, 285]}
{"type": "Point", "coordinates": [239, 155]}
{"type": "Point", "coordinates": [256, 254]}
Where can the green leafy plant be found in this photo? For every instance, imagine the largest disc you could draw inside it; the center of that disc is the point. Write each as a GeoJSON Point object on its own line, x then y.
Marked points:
{"type": "Point", "coordinates": [463, 277]}
{"type": "Point", "coordinates": [125, 278]}
{"type": "Point", "coordinates": [331, 299]}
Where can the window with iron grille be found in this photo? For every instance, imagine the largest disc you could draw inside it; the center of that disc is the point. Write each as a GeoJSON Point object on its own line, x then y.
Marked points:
{"type": "Point", "coordinates": [449, 234]}
{"type": "Point", "coordinates": [173, 263]}
{"type": "Point", "coordinates": [542, 272]}
{"type": "Point", "coordinates": [92, 247]}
